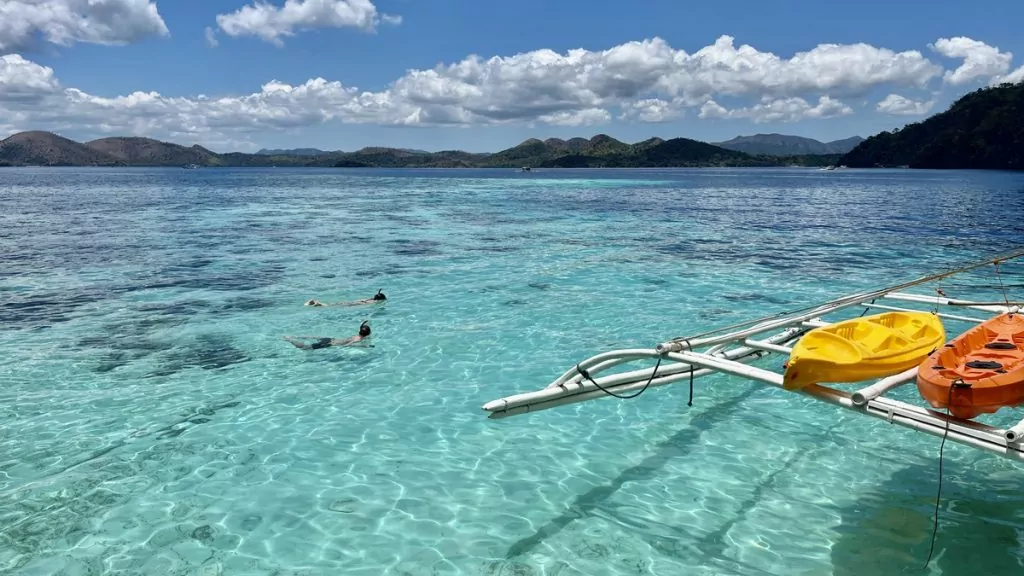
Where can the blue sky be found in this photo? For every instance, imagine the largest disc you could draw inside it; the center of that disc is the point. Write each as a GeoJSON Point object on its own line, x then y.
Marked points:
{"type": "Point", "coordinates": [139, 67]}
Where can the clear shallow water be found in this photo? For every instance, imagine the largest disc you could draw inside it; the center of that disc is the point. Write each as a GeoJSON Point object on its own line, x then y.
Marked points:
{"type": "Point", "coordinates": [153, 421]}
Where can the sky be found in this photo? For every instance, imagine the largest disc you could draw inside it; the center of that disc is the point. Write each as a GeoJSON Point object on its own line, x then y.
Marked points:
{"type": "Point", "coordinates": [239, 75]}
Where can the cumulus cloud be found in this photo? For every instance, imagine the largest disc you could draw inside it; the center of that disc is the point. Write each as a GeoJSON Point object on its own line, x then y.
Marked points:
{"type": "Point", "coordinates": [770, 109]}
{"type": "Point", "coordinates": [646, 81]}
{"type": "Point", "coordinates": [651, 110]}
{"type": "Point", "coordinates": [24, 81]}
{"type": "Point", "coordinates": [897, 105]}
{"type": "Point", "coordinates": [65, 22]}
{"type": "Point", "coordinates": [849, 70]}
{"type": "Point", "coordinates": [270, 22]}
{"type": "Point", "coordinates": [588, 117]}
{"type": "Point", "coordinates": [980, 59]}
{"type": "Point", "coordinates": [1012, 78]}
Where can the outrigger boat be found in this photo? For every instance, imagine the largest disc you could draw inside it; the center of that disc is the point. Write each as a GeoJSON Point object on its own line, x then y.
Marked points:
{"type": "Point", "coordinates": [877, 354]}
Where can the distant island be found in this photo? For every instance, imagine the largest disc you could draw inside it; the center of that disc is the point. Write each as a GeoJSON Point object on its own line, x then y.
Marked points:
{"type": "Point", "coordinates": [981, 130]}
{"type": "Point", "coordinates": [783, 145]}
{"type": "Point", "coordinates": [291, 152]}
{"type": "Point", "coordinates": [601, 151]}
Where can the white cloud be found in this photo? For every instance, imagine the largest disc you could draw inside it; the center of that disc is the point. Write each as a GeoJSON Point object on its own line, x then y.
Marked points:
{"type": "Point", "coordinates": [897, 105]}
{"type": "Point", "coordinates": [588, 117]}
{"type": "Point", "coordinates": [645, 81]}
{"type": "Point", "coordinates": [851, 69]}
{"type": "Point", "coordinates": [542, 82]}
{"type": "Point", "coordinates": [651, 110]}
{"type": "Point", "coordinates": [24, 81]}
{"type": "Point", "coordinates": [980, 59]}
{"type": "Point", "coordinates": [1011, 78]}
{"type": "Point", "coordinates": [65, 22]}
{"type": "Point", "coordinates": [714, 110]}
{"type": "Point", "coordinates": [211, 37]}
{"type": "Point", "coordinates": [270, 22]}
{"type": "Point", "coordinates": [791, 109]}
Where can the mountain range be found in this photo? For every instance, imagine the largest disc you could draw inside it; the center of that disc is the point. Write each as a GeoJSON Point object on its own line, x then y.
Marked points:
{"type": "Point", "coordinates": [38, 148]}
{"type": "Point", "coordinates": [982, 129]}
{"type": "Point", "coordinates": [291, 152]}
{"type": "Point", "coordinates": [784, 145]}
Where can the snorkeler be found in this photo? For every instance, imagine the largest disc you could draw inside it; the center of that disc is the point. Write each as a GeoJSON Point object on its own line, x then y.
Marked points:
{"type": "Point", "coordinates": [321, 342]}
{"type": "Point", "coordinates": [378, 297]}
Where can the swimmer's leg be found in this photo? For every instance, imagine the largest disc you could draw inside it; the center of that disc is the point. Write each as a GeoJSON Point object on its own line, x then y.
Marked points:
{"type": "Point", "coordinates": [296, 342]}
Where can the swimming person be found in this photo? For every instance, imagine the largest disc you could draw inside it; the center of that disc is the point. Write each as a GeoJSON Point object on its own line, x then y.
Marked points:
{"type": "Point", "coordinates": [378, 297]}
{"type": "Point", "coordinates": [321, 342]}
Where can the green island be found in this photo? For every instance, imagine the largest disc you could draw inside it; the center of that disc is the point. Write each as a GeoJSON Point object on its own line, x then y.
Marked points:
{"type": "Point", "coordinates": [982, 129]}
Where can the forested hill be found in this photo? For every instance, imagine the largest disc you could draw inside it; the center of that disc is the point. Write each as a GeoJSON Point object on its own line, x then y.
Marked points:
{"type": "Point", "coordinates": [983, 129]}
{"type": "Point", "coordinates": [601, 151]}
{"type": "Point", "coordinates": [785, 145]}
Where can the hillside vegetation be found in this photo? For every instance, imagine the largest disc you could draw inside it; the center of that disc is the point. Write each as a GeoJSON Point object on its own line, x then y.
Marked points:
{"type": "Point", "coordinates": [785, 145]}
{"type": "Point", "coordinates": [601, 151]}
{"type": "Point", "coordinates": [983, 129]}
{"type": "Point", "coordinates": [48, 149]}
{"type": "Point", "coordinates": [135, 151]}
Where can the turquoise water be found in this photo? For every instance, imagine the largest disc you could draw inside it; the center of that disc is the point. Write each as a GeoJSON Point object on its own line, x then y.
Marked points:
{"type": "Point", "coordinates": [153, 421]}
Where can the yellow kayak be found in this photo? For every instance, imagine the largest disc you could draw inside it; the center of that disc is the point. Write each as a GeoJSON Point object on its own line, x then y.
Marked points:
{"type": "Point", "coordinates": [863, 348]}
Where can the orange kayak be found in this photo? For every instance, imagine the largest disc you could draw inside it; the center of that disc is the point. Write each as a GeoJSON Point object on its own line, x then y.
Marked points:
{"type": "Point", "coordinates": [984, 366]}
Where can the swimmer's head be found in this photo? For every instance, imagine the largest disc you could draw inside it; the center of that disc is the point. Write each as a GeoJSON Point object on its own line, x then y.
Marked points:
{"type": "Point", "coordinates": [364, 329]}
{"type": "Point", "coordinates": [380, 295]}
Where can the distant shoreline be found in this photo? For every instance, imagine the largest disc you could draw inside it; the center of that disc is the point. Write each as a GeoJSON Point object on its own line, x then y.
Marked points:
{"type": "Point", "coordinates": [980, 131]}
{"type": "Point", "coordinates": [518, 171]}
{"type": "Point", "coordinates": [601, 151]}
{"type": "Point", "coordinates": [492, 168]}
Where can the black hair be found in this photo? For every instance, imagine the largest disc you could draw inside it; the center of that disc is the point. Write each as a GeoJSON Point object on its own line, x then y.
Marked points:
{"type": "Point", "coordinates": [380, 295]}
{"type": "Point", "coordinates": [364, 328]}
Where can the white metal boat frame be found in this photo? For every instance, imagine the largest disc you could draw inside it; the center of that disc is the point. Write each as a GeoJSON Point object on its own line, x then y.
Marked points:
{"type": "Point", "coordinates": [729, 350]}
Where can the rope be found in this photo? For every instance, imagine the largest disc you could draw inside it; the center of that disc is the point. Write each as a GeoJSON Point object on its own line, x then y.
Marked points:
{"type": "Point", "coordinates": [586, 375]}
{"type": "Point", "coordinates": [692, 370]}
{"type": "Point", "coordinates": [938, 495]}
{"type": "Point", "coordinates": [1001, 287]}
{"type": "Point", "coordinates": [940, 294]}
{"type": "Point", "coordinates": [866, 308]}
